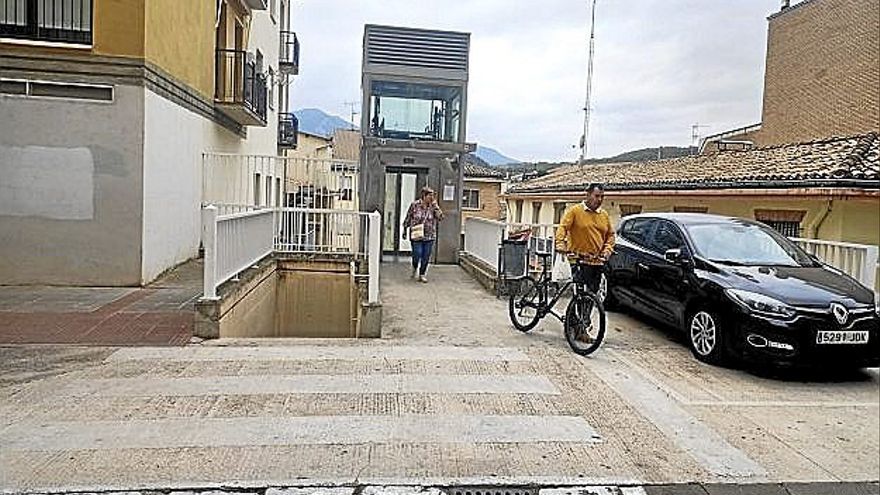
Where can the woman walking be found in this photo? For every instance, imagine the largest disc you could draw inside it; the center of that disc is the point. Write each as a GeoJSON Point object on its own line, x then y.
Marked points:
{"type": "Point", "coordinates": [421, 221]}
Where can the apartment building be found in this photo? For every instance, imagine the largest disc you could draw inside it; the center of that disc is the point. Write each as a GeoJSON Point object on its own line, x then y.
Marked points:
{"type": "Point", "coordinates": [106, 110]}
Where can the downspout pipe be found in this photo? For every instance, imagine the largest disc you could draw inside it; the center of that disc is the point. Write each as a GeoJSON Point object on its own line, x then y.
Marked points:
{"type": "Point", "coordinates": [818, 224]}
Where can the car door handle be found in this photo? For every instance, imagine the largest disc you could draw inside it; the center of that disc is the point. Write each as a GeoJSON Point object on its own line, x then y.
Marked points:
{"type": "Point", "coordinates": [641, 266]}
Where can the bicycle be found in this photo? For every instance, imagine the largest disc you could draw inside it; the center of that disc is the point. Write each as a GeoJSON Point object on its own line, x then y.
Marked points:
{"type": "Point", "coordinates": [584, 319]}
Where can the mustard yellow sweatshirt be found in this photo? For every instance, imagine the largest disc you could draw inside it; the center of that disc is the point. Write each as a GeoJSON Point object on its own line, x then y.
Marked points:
{"type": "Point", "coordinates": [585, 232]}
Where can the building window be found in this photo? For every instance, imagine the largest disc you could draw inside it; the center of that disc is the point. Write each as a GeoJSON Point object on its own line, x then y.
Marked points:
{"type": "Point", "coordinates": [788, 229]}
{"type": "Point", "coordinates": [786, 222]}
{"type": "Point", "coordinates": [346, 188]}
{"type": "Point", "coordinates": [536, 212]}
{"type": "Point", "coordinates": [627, 210]}
{"type": "Point", "coordinates": [690, 209]}
{"type": "Point", "coordinates": [558, 212]}
{"type": "Point", "coordinates": [423, 112]}
{"type": "Point", "coordinates": [61, 21]}
{"type": "Point", "coordinates": [519, 210]}
{"type": "Point", "coordinates": [470, 199]}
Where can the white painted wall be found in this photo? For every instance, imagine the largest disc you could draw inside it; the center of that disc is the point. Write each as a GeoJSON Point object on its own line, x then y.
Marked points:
{"type": "Point", "coordinates": [174, 141]}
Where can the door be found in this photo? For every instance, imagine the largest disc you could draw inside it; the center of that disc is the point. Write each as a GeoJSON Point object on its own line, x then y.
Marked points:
{"type": "Point", "coordinates": [630, 265]}
{"type": "Point", "coordinates": [666, 287]}
{"type": "Point", "coordinates": [401, 189]}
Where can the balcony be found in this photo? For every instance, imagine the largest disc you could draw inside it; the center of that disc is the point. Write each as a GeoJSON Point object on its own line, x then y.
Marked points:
{"type": "Point", "coordinates": [57, 21]}
{"type": "Point", "coordinates": [288, 58]}
{"type": "Point", "coordinates": [239, 90]}
{"type": "Point", "coordinates": [288, 127]}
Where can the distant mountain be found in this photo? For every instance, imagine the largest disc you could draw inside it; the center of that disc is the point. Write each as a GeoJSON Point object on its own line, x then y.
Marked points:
{"type": "Point", "coordinates": [315, 121]}
{"type": "Point", "coordinates": [493, 157]}
{"type": "Point", "coordinates": [646, 154]}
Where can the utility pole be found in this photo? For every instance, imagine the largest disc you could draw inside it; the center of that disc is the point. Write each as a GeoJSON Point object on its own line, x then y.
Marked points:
{"type": "Point", "coordinates": [585, 137]}
{"type": "Point", "coordinates": [352, 105]}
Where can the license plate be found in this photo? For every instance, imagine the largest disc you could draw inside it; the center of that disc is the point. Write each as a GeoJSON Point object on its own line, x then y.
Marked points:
{"type": "Point", "coordinates": [841, 337]}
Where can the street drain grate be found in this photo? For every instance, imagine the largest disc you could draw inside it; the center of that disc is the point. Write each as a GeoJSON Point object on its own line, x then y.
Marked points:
{"type": "Point", "coordinates": [487, 490]}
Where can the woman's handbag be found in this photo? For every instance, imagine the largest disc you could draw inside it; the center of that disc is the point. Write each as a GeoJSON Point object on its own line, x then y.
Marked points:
{"type": "Point", "coordinates": [417, 232]}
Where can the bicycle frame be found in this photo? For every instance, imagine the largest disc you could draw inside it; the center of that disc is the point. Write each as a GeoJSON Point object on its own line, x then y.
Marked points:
{"type": "Point", "coordinates": [546, 305]}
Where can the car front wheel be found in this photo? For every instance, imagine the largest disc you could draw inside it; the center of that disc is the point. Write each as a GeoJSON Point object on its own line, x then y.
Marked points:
{"type": "Point", "coordinates": [705, 337]}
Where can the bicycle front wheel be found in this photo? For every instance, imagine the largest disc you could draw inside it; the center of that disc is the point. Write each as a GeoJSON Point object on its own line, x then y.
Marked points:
{"type": "Point", "coordinates": [524, 304]}
{"type": "Point", "coordinates": [585, 323]}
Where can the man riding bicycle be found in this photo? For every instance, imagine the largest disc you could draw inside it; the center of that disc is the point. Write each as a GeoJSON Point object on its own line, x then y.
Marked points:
{"type": "Point", "coordinates": [586, 236]}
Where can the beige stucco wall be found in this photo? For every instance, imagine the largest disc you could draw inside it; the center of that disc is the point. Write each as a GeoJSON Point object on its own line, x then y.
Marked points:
{"type": "Point", "coordinates": [849, 219]}
{"type": "Point", "coordinates": [309, 146]}
{"type": "Point", "coordinates": [316, 300]}
{"type": "Point", "coordinates": [255, 314]}
{"type": "Point", "coordinates": [172, 25]}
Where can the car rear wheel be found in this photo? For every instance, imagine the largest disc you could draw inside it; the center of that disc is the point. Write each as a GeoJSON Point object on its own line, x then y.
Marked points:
{"type": "Point", "coordinates": [705, 337]}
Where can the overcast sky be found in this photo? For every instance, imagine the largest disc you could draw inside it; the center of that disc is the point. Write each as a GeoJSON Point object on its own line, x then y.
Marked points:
{"type": "Point", "coordinates": [660, 67]}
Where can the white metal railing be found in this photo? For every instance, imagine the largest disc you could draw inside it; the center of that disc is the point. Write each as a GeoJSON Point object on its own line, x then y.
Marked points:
{"type": "Point", "coordinates": [236, 241]}
{"type": "Point", "coordinates": [232, 243]}
{"type": "Point", "coordinates": [857, 260]}
{"type": "Point", "coordinates": [236, 183]}
{"type": "Point", "coordinates": [482, 238]}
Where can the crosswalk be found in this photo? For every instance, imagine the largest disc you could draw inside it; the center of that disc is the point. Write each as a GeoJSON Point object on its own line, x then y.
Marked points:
{"type": "Point", "coordinates": [299, 414]}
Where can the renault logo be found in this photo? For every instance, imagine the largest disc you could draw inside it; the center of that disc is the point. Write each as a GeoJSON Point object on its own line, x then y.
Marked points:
{"type": "Point", "coordinates": [841, 314]}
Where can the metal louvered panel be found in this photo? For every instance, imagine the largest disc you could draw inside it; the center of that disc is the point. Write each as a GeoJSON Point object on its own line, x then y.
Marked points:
{"type": "Point", "coordinates": [417, 48]}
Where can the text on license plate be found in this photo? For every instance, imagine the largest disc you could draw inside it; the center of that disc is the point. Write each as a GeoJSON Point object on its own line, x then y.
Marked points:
{"type": "Point", "coordinates": [842, 337]}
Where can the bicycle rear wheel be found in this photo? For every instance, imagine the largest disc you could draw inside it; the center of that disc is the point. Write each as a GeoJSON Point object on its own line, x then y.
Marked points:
{"type": "Point", "coordinates": [524, 303]}
{"type": "Point", "coordinates": [584, 323]}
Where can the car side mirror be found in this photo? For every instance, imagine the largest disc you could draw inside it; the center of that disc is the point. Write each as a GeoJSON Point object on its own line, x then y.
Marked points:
{"type": "Point", "coordinates": [675, 256]}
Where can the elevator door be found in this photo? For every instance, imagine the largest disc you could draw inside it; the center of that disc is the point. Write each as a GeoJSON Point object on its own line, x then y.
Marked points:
{"type": "Point", "coordinates": [401, 189]}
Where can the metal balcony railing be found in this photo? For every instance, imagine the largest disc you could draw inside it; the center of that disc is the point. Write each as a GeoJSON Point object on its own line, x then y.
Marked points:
{"type": "Point", "coordinates": [288, 58]}
{"type": "Point", "coordinates": [288, 127]}
{"type": "Point", "coordinates": [238, 84]}
{"type": "Point", "coordinates": [60, 21]}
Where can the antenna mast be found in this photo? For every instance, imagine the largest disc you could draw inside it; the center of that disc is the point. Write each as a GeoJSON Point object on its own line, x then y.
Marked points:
{"type": "Point", "coordinates": [585, 137]}
{"type": "Point", "coordinates": [352, 105]}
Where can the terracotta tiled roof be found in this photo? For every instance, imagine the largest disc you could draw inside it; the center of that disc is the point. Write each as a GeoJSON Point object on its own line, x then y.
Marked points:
{"type": "Point", "coordinates": [475, 166]}
{"type": "Point", "coordinates": [852, 161]}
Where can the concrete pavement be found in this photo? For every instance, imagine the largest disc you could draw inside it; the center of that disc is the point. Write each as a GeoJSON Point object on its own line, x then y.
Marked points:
{"type": "Point", "coordinates": [451, 395]}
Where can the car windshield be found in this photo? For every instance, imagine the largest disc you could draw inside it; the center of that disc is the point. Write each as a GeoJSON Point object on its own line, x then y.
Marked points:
{"type": "Point", "coordinates": [746, 244]}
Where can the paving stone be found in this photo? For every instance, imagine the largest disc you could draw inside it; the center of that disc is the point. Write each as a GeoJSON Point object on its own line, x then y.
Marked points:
{"type": "Point", "coordinates": [582, 490]}
{"type": "Point", "coordinates": [689, 489]}
{"type": "Point", "coordinates": [754, 489]}
{"type": "Point", "coordinates": [401, 490]}
{"type": "Point", "coordinates": [311, 491]}
{"type": "Point", "coordinates": [833, 488]}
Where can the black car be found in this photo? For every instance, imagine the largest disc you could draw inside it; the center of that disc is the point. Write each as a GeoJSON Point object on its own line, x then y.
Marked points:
{"type": "Point", "coordinates": [738, 288]}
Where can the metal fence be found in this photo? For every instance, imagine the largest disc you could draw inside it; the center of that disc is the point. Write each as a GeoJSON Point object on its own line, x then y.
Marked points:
{"type": "Point", "coordinates": [236, 241]}
{"type": "Point", "coordinates": [236, 183]}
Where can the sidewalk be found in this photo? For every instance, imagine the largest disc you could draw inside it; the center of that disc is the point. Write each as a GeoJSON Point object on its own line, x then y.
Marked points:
{"type": "Point", "coordinates": [158, 314]}
{"type": "Point", "coordinates": [451, 396]}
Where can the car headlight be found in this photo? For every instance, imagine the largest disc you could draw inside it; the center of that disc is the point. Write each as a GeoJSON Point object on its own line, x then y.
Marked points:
{"type": "Point", "coordinates": [761, 304]}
